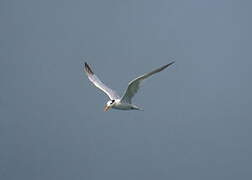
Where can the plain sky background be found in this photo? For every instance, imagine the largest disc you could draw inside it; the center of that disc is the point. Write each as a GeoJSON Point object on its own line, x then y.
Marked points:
{"type": "Point", "coordinates": [196, 123]}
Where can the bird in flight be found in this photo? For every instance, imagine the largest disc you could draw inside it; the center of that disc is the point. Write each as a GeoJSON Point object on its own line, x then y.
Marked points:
{"type": "Point", "coordinates": [124, 102]}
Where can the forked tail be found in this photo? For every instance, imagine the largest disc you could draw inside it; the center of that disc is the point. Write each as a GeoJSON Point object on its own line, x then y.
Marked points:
{"type": "Point", "coordinates": [134, 107]}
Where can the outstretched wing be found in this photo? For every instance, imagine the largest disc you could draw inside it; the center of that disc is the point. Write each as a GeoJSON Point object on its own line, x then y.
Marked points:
{"type": "Point", "coordinates": [96, 81]}
{"type": "Point", "coordinates": [134, 85]}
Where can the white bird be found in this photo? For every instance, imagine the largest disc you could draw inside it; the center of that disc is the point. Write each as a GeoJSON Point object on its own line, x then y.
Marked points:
{"type": "Point", "coordinates": [124, 102]}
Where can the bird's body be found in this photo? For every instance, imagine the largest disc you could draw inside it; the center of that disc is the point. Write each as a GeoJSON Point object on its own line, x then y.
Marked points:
{"type": "Point", "coordinates": [124, 102]}
{"type": "Point", "coordinates": [118, 104]}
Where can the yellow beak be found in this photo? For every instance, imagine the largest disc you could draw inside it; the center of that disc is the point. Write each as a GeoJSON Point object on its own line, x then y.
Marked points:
{"type": "Point", "coordinates": [106, 108]}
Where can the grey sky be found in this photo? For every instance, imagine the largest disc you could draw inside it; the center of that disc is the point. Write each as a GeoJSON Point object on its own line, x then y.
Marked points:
{"type": "Point", "coordinates": [196, 122]}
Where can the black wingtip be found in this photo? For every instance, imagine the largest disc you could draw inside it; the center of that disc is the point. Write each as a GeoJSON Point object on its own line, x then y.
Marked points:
{"type": "Point", "coordinates": [165, 66]}
{"type": "Point", "coordinates": [170, 63]}
{"type": "Point", "coordinates": [88, 69]}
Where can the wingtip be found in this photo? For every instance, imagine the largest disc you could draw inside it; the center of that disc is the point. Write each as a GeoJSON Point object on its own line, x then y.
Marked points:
{"type": "Point", "coordinates": [88, 69]}
{"type": "Point", "coordinates": [170, 63]}
{"type": "Point", "coordinates": [165, 66]}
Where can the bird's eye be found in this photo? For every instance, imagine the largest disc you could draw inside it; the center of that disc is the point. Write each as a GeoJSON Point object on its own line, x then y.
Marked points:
{"type": "Point", "coordinates": [112, 101]}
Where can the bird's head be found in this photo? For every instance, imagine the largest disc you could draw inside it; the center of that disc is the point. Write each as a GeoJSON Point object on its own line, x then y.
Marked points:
{"type": "Point", "coordinates": [109, 104]}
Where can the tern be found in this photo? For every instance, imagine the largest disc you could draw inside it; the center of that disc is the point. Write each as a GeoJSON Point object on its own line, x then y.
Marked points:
{"type": "Point", "coordinates": [124, 102]}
